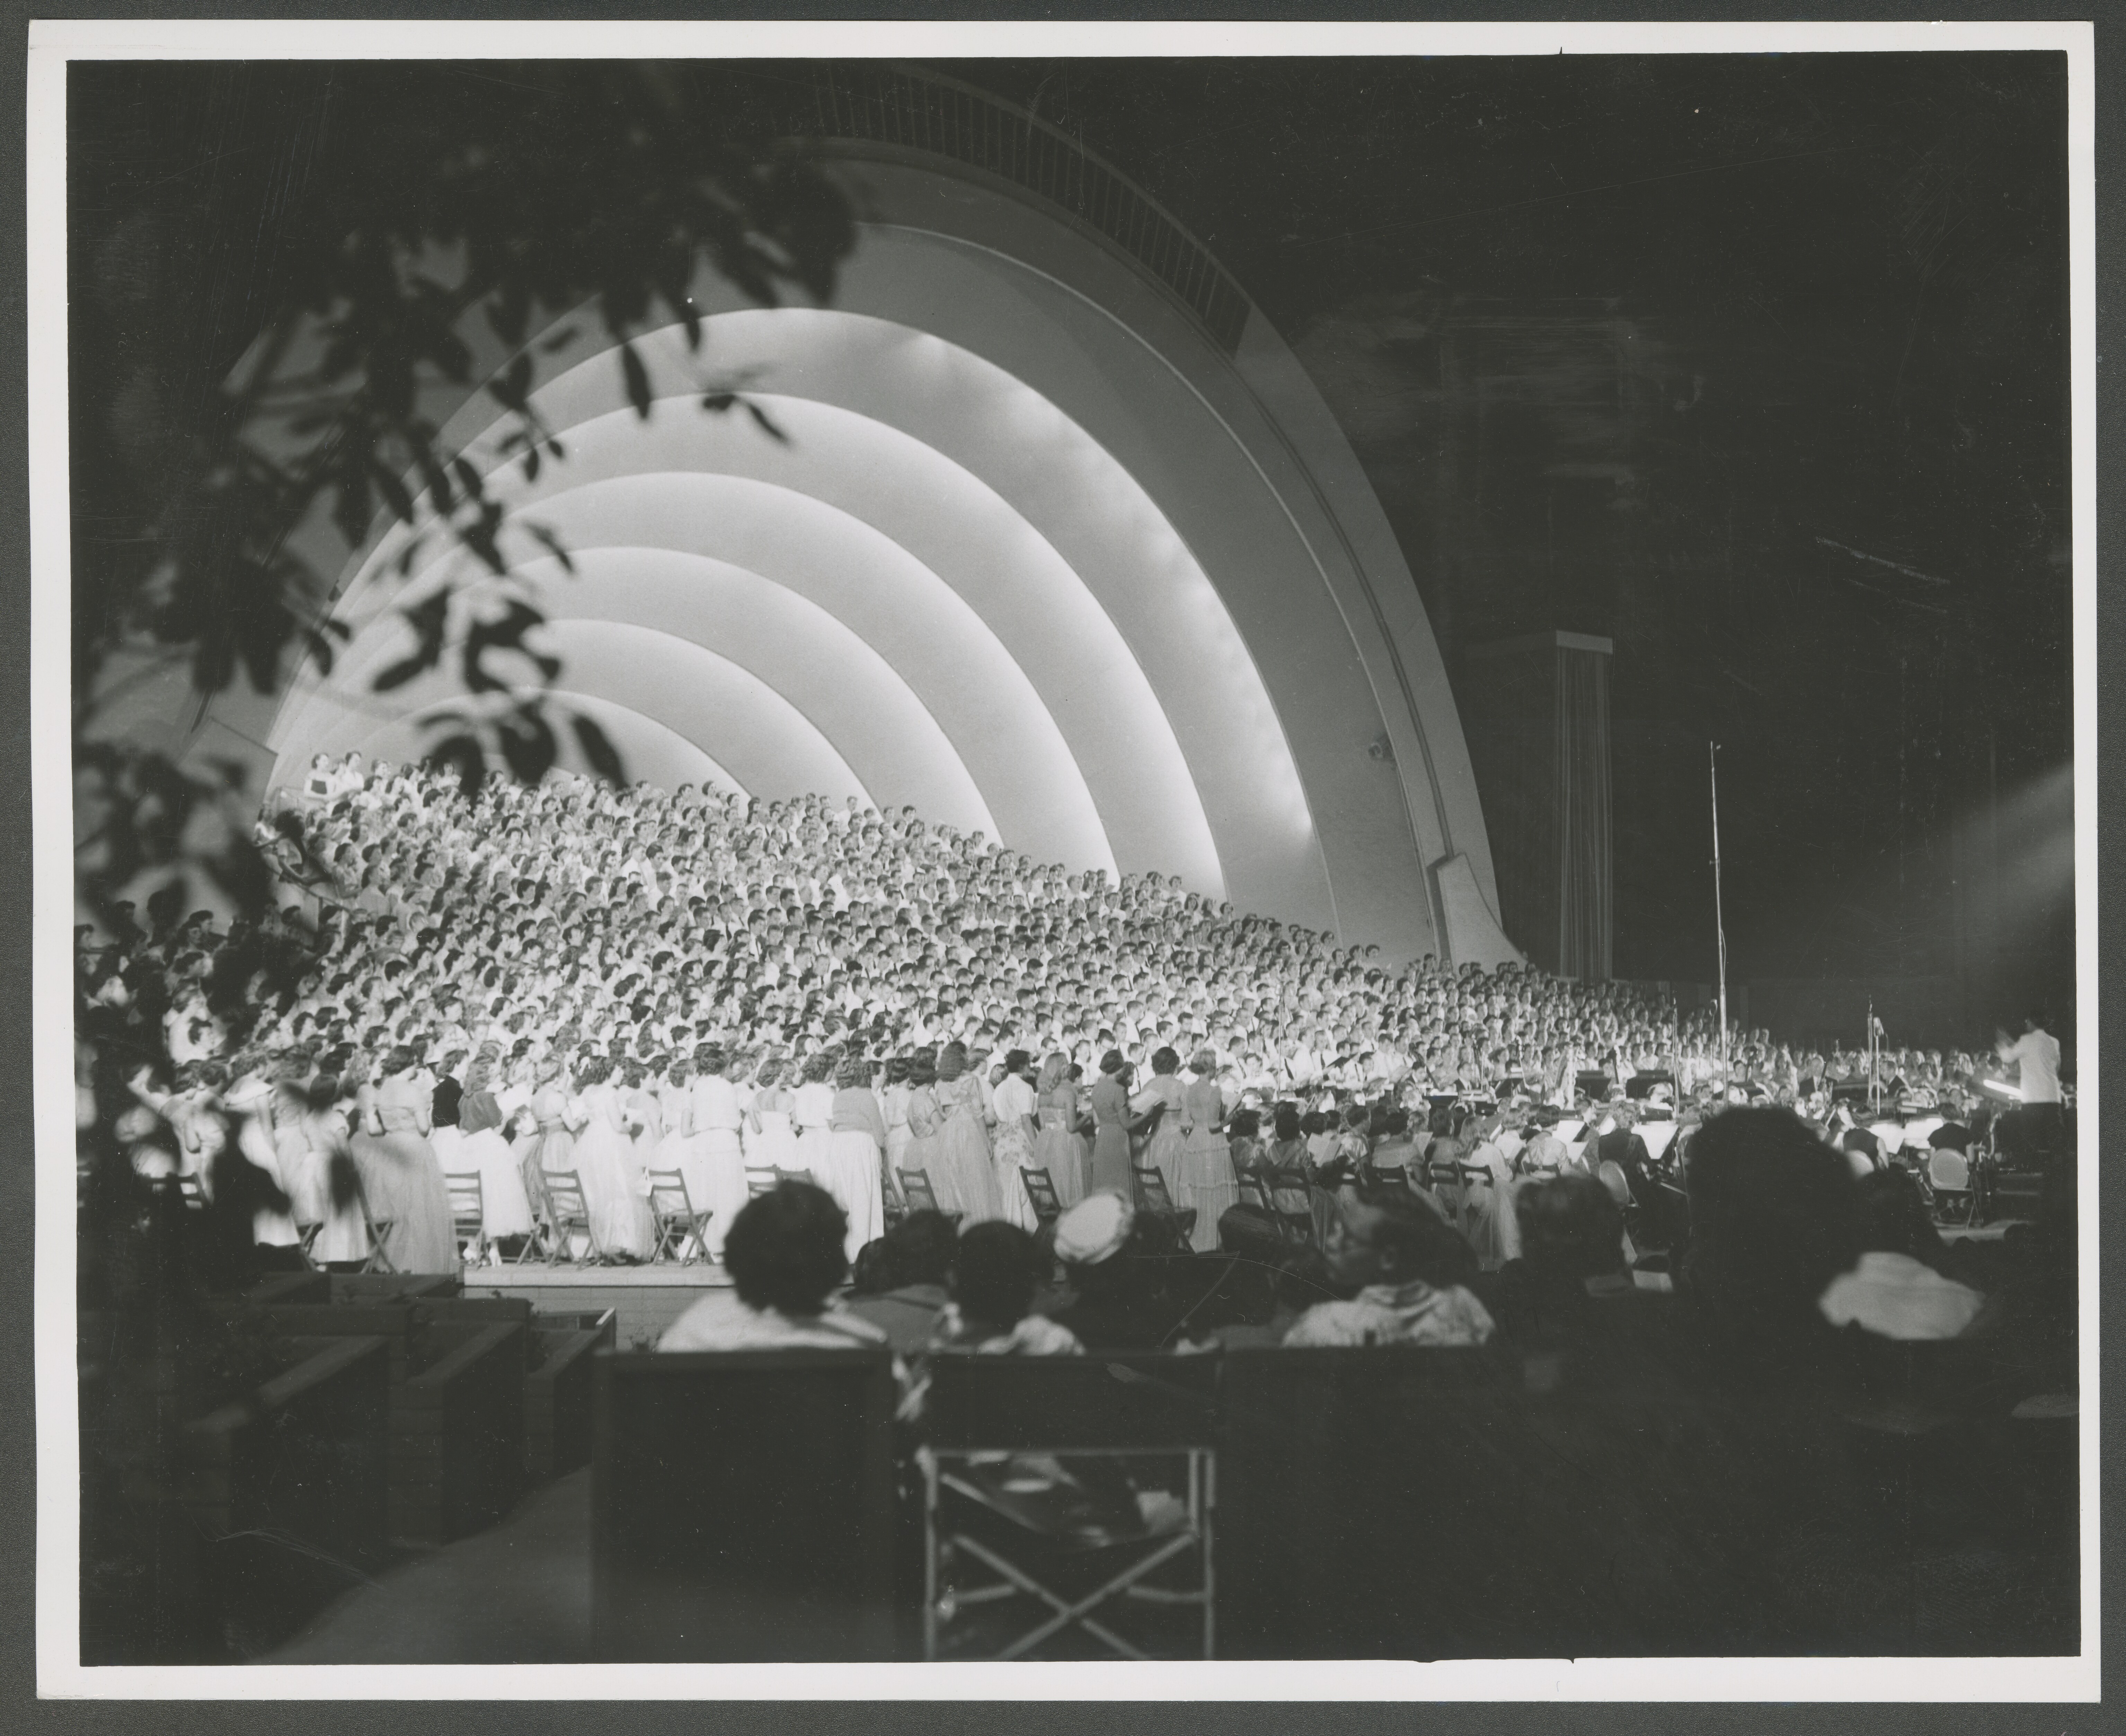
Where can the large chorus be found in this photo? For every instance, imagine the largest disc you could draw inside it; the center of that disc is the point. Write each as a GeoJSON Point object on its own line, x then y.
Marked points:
{"type": "Point", "coordinates": [567, 989]}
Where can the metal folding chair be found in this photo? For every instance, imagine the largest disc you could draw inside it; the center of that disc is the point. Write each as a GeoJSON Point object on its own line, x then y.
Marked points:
{"type": "Point", "coordinates": [568, 1212]}
{"type": "Point", "coordinates": [468, 1213]}
{"type": "Point", "coordinates": [679, 1225]}
{"type": "Point", "coordinates": [1041, 1194]}
{"type": "Point", "coordinates": [1092, 1552]}
{"type": "Point", "coordinates": [1152, 1197]}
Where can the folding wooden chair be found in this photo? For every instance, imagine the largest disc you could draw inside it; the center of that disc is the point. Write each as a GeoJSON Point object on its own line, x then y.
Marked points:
{"type": "Point", "coordinates": [1093, 1551]}
{"type": "Point", "coordinates": [1443, 1180]}
{"type": "Point", "coordinates": [889, 1191]}
{"type": "Point", "coordinates": [191, 1193]}
{"type": "Point", "coordinates": [380, 1259]}
{"type": "Point", "coordinates": [679, 1225]}
{"type": "Point", "coordinates": [1152, 1197]}
{"type": "Point", "coordinates": [468, 1213]}
{"type": "Point", "coordinates": [921, 1197]}
{"type": "Point", "coordinates": [1393, 1176]}
{"type": "Point", "coordinates": [568, 1212]}
{"type": "Point", "coordinates": [762, 1181]}
{"type": "Point", "coordinates": [1289, 1182]}
{"type": "Point", "coordinates": [1266, 1182]}
{"type": "Point", "coordinates": [1256, 1191]}
{"type": "Point", "coordinates": [1041, 1194]}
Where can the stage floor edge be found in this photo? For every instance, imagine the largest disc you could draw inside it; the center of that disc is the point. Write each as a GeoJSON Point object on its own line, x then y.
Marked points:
{"type": "Point", "coordinates": [646, 1299]}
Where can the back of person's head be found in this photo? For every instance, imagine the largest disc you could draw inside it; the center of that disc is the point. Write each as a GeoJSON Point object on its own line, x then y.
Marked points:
{"type": "Point", "coordinates": [1771, 1224]}
{"type": "Point", "coordinates": [1313, 1122]}
{"type": "Point", "coordinates": [1425, 1246]}
{"type": "Point", "coordinates": [920, 1249]}
{"type": "Point", "coordinates": [994, 1273]}
{"type": "Point", "coordinates": [1165, 1060]}
{"type": "Point", "coordinates": [1287, 1122]}
{"type": "Point", "coordinates": [1244, 1124]}
{"type": "Point", "coordinates": [1890, 1217]}
{"type": "Point", "coordinates": [785, 1248]}
{"type": "Point", "coordinates": [1570, 1226]}
{"type": "Point", "coordinates": [872, 1274]}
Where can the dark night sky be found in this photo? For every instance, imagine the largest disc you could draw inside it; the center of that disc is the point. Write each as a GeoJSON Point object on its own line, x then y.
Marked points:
{"type": "Point", "coordinates": [1627, 345]}
{"type": "Point", "coordinates": [1645, 347]}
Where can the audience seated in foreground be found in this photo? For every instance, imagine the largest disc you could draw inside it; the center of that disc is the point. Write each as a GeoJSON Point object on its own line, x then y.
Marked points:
{"type": "Point", "coordinates": [994, 1276]}
{"type": "Point", "coordinates": [1897, 1289]}
{"type": "Point", "coordinates": [785, 1257]}
{"type": "Point", "coordinates": [1118, 1299]}
{"type": "Point", "coordinates": [1406, 1274]}
{"type": "Point", "coordinates": [901, 1285]}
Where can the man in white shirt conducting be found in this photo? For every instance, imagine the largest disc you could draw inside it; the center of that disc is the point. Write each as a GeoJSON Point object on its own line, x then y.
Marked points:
{"type": "Point", "coordinates": [2037, 1128]}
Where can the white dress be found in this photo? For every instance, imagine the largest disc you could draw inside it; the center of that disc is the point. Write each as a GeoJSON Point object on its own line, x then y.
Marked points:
{"type": "Point", "coordinates": [710, 1158]}
{"type": "Point", "coordinates": [614, 1188]}
{"type": "Point", "coordinates": [1012, 1150]}
{"type": "Point", "coordinates": [852, 1173]}
{"type": "Point", "coordinates": [269, 1228]}
{"type": "Point", "coordinates": [814, 1113]}
{"type": "Point", "coordinates": [505, 1208]}
{"type": "Point", "coordinates": [771, 1141]}
{"type": "Point", "coordinates": [345, 1236]}
{"type": "Point", "coordinates": [898, 1133]}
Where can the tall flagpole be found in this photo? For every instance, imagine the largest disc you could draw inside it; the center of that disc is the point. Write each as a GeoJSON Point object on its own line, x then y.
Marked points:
{"type": "Point", "coordinates": [1719, 921]}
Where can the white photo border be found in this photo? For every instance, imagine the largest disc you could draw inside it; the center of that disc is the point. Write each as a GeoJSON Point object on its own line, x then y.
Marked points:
{"type": "Point", "coordinates": [60, 1674]}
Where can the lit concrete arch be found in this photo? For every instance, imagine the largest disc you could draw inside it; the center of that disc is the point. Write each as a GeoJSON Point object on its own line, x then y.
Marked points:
{"type": "Point", "coordinates": [1221, 440]}
{"type": "Point", "coordinates": [658, 753]}
{"type": "Point", "coordinates": [1084, 673]}
{"type": "Point", "coordinates": [845, 689]}
{"type": "Point", "coordinates": [989, 712]}
{"type": "Point", "coordinates": [765, 743]}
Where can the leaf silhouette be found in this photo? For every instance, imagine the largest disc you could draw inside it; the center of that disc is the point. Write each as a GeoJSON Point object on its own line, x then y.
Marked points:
{"type": "Point", "coordinates": [461, 754]}
{"type": "Point", "coordinates": [637, 378]}
{"type": "Point", "coordinates": [598, 750]}
{"type": "Point", "coordinates": [427, 618]}
{"type": "Point", "coordinates": [554, 546]}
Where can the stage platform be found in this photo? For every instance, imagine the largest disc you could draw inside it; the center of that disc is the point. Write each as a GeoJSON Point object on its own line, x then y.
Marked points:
{"type": "Point", "coordinates": [647, 1299]}
{"type": "Point", "coordinates": [1992, 1231]}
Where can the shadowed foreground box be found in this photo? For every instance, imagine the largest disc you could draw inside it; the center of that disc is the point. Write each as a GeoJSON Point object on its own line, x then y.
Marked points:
{"type": "Point", "coordinates": [742, 1507]}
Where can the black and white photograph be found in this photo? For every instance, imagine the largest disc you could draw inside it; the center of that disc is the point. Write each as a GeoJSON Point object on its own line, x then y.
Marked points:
{"type": "Point", "coordinates": [1245, 852]}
